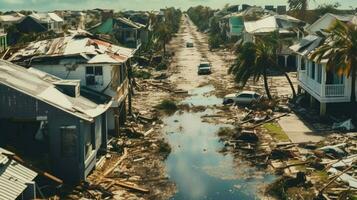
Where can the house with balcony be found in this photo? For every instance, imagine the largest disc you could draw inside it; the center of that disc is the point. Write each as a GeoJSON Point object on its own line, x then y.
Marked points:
{"type": "Point", "coordinates": [57, 124]}
{"type": "Point", "coordinates": [98, 65]}
{"type": "Point", "coordinates": [325, 87]}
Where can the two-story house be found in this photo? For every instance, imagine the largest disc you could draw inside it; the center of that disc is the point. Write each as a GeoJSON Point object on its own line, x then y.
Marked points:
{"type": "Point", "coordinates": [55, 122]}
{"type": "Point", "coordinates": [324, 87]}
{"type": "Point", "coordinates": [290, 31]}
{"type": "Point", "coordinates": [98, 65]}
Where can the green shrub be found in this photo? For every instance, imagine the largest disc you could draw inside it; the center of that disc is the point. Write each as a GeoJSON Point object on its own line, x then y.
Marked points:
{"type": "Point", "coordinates": [161, 66]}
{"type": "Point", "coordinates": [141, 74]}
{"type": "Point", "coordinates": [167, 105]}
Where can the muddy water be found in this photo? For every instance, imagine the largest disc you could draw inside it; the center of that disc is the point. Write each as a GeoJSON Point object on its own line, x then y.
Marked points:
{"type": "Point", "coordinates": [195, 164]}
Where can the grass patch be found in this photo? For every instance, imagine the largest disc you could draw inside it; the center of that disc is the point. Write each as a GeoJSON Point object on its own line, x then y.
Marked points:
{"type": "Point", "coordinates": [167, 106]}
{"type": "Point", "coordinates": [276, 131]}
{"type": "Point", "coordinates": [322, 176]}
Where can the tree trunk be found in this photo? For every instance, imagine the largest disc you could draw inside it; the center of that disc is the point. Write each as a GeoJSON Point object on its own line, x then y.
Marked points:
{"type": "Point", "coordinates": [164, 48]}
{"type": "Point", "coordinates": [291, 84]}
{"type": "Point", "coordinates": [266, 86]}
{"type": "Point", "coordinates": [353, 88]}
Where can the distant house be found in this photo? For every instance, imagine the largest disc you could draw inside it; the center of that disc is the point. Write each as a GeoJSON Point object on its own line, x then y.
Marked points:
{"type": "Point", "coordinates": [10, 19]}
{"type": "Point", "coordinates": [16, 180]}
{"type": "Point", "coordinates": [73, 19]}
{"type": "Point", "coordinates": [98, 65]}
{"type": "Point", "coordinates": [3, 40]}
{"type": "Point", "coordinates": [128, 33]}
{"type": "Point", "coordinates": [51, 21]}
{"type": "Point", "coordinates": [323, 86]}
{"type": "Point", "coordinates": [49, 120]}
{"type": "Point", "coordinates": [234, 22]}
{"type": "Point", "coordinates": [289, 28]}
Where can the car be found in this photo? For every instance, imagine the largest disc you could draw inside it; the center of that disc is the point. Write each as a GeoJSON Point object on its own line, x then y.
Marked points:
{"type": "Point", "coordinates": [189, 44]}
{"type": "Point", "coordinates": [244, 97]}
{"type": "Point", "coordinates": [204, 68]}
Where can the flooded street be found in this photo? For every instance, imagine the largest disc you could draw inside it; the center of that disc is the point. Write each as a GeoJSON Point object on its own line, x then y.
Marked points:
{"type": "Point", "coordinates": [196, 165]}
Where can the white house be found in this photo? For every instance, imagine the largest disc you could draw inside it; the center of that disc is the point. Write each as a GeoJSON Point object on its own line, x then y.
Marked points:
{"type": "Point", "coordinates": [50, 20]}
{"type": "Point", "coordinates": [321, 84]}
{"type": "Point", "coordinates": [289, 29]}
{"type": "Point", "coordinates": [98, 65]}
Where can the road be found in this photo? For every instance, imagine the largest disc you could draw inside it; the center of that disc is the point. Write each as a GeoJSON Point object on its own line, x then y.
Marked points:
{"type": "Point", "coordinates": [196, 164]}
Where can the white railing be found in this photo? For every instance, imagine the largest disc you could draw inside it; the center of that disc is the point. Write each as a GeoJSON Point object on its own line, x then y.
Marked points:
{"type": "Point", "coordinates": [314, 85]}
{"type": "Point", "coordinates": [335, 90]}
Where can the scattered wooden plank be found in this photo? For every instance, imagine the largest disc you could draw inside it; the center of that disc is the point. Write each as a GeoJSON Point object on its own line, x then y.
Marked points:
{"type": "Point", "coordinates": [269, 120]}
{"type": "Point", "coordinates": [131, 186]}
{"type": "Point", "coordinates": [108, 171]}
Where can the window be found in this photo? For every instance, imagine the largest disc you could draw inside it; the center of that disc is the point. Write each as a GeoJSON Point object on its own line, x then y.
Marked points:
{"type": "Point", "coordinates": [312, 70]}
{"type": "Point", "coordinates": [319, 73]}
{"type": "Point", "coordinates": [94, 75]}
{"type": "Point", "coordinates": [303, 64]}
{"type": "Point", "coordinates": [68, 141]}
{"type": "Point", "coordinates": [245, 96]}
{"type": "Point", "coordinates": [333, 78]}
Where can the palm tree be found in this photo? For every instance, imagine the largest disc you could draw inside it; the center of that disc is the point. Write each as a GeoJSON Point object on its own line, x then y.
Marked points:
{"type": "Point", "coordinates": [163, 35]}
{"type": "Point", "coordinates": [299, 6]}
{"type": "Point", "coordinates": [253, 61]}
{"type": "Point", "coordinates": [278, 43]}
{"type": "Point", "coordinates": [340, 49]}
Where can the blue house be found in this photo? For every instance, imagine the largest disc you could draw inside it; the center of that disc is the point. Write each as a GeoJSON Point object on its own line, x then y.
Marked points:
{"type": "Point", "coordinates": [54, 123]}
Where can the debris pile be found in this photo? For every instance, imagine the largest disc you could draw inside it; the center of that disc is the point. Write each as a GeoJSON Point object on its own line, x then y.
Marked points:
{"type": "Point", "coordinates": [323, 170]}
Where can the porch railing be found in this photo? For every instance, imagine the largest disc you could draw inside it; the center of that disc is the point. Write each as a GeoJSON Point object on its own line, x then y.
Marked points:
{"type": "Point", "coordinates": [335, 90]}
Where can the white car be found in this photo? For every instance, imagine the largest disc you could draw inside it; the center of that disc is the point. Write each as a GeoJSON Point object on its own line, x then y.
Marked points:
{"type": "Point", "coordinates": [245, 97]}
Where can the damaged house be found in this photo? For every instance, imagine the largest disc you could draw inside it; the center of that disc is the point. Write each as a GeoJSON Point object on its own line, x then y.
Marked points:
{"type": "Point", "coordinates": [98, 65]}
{"type": "Point", "coordinates": [290, 30]}
{"type": "Point", "coordinates": [128, 33]}
{"type": "Point", "coordinates": [16, 180]}
{"type": "Point", "coordinates": [324, 87]}
{"type": "Point", "coordinates": [49, 121]}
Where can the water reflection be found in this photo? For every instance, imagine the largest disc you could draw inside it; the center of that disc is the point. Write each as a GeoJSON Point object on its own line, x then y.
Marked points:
{"type": "Point", "coordinates": [196, 166]}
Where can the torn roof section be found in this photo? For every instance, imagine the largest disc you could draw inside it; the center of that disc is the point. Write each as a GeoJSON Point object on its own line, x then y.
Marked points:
{"type": "Point", "coordinates": [44, 87]}
{"type": "Point", "coordinates": [281, 23]}
{"type": "Point", "coordinates": [79, 44]}
{"type": "Point", "coordinates": [14, 177]}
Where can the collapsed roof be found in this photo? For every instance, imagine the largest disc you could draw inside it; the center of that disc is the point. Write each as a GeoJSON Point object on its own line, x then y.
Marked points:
{"type": "Point", "coordinates": [14, 177]}
{"type": "Point", "coordinates": [42, 86]}
{"type": "Point", "coordinates": [281, 23]}
{"type": "Point", "coordinates": [79, 44]}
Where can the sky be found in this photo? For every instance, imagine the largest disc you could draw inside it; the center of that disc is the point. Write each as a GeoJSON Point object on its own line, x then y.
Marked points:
{"type": "Point", "coordinates": [48, 5]}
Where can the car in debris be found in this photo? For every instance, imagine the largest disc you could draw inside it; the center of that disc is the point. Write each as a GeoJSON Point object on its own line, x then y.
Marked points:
{"type": "Point", "coordinates": [189, 44]}
{"type": "Point", "coordinates": [244, 97]}
{"type": "Point", "coordinates": [204, 68]}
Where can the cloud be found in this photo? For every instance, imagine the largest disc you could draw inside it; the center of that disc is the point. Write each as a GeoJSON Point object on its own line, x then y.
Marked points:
{"type": "Point", "coordinates": [45, 5]}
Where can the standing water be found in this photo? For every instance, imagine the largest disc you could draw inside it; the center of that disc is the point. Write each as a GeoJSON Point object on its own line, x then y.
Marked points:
{"type": "Point", "coordinates": [195, 164]}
